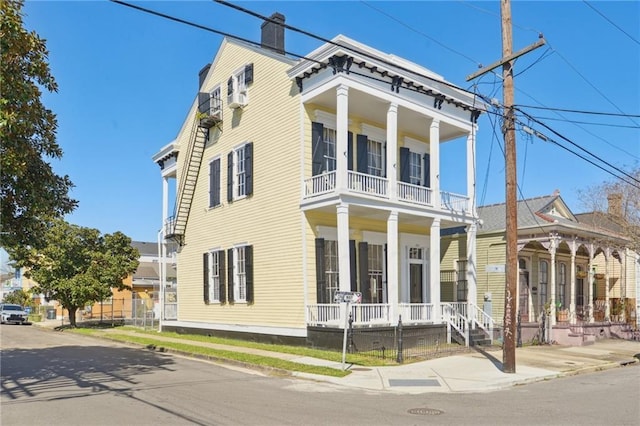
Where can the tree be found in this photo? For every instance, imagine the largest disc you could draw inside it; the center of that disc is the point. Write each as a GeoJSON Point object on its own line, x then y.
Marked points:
{"type": "Point", "coordinates": [19, 297]}
{"type": "Point", "coordinates": [79, 266]}
{"type": "Point", "coordinates": [616, 206]}
{"type": "Point", "coordinates": [31, 193]}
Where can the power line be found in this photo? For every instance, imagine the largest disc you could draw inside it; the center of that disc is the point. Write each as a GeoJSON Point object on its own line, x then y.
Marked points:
{"type": "Point", "coordinates": [591, 123]}
{"type": "Point", "coordinates": [611, 22]}
{"type": "Point", "coordinates": [613, 114]}
{"type": "Point", "coordinates": [497, 15]}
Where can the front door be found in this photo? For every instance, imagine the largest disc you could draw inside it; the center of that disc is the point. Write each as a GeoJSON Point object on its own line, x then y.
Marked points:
{"type": "Point", "coordinates": [415, 282]}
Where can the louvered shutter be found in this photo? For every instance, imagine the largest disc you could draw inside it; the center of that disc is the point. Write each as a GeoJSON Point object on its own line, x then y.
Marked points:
{"type": "Point", "coordinates": [317, 148]}
{"type": "Point", "coordinates": [248, 168]}
{"type": "Point", "coordinates": [321, 283]}
{"type": "Point", "coordinates": [230, 86]}
{"type": "Point", "coordinates": [204, 102]}
{"type": "Point", "coordinates": [363, 266]}
{"type": "Point", "coordinates": [248, 259]}
{"type": "Point", "coordinates": [350, 150]}
{"type": "Point", "coordinates": [231, 278]}
{"type": "Point", "coordinates": [230, 177]}
{"type": "Point", "coordinates": [222, 273]}
{"type": "Point", "coordinates": [214, 183]}
{"type": "Point", "coordinates": [205, 274]}
{"type": "Point", "coordinates": [405, 156]}
{"type": "Point", "coordinates": [353, 265]}
{"type": "Point", "coordinates": [427, 170]}
{"type": "Point", "coordinates": [363, 160]}
{"type": "Point", "coordinates": [248, 74]}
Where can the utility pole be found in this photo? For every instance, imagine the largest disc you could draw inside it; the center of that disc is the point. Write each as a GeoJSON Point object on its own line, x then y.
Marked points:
{"type": "Point", "coordinates": [509, 134]}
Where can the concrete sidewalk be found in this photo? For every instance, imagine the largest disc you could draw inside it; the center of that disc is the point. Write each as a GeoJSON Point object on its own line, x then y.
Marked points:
{"type": "Point", "coordinates": [477, 371]}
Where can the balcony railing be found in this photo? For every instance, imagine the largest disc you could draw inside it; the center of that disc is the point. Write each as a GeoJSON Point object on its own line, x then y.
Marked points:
{"type": "Point", "coordinates": [368, 184]}
{"type": "Point", "coordinates": [319, 184]}
{"type": "Point", "coordinates": [454, 202]}
{"type": "Point", "coordinates": [414, 194]}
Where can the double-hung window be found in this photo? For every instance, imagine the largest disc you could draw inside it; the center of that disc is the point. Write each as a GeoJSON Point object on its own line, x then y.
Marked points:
{"type": "Point", "coordinates": [237, 93]}
{"type": "Point", "coordinates": [463, 284]}
{"type": "Point", "coordinates": [240, 172]}
{"type": "Point", "coordinates": [544, 281]}
{"type": "Point", "coordinates": [214, 282]}
{"type": "Point", "coordinates": [374, 158]}
{"type": "Point", "coordinates": [216, 100]}
{"type": "Point", "coordinates": [329, 141]}
{"type": "Point", "coordinates": [240, 261]}
{"type": "Point", "coordinates": [415, 168]}
{"type": "Point", "coordinates": [562, 283]}
{"type": "Point", "coordinates": [375, 254]}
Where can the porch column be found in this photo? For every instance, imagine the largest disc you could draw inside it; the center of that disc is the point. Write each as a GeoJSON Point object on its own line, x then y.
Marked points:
{"type": "Point", "coordinates": [342, 127]}
{"type": "Point", "coordinates": [434, 162]}
{"type": "Point", "coordinates": [471, 176]}
{"type": "Point", "coordinates": [392, 149]}
{"type": "Point", "coordinates": [472, 292]}
{"type": "Point", "coordinates": [552, 284]}
{"type": "Point", "coordinates": [434, 265]}
{"type": "Point", "coordinates": [607, 308]}
{"type": "Point", "coordinates": [392, 266]}
{"type": "Point", "coordinates": [165, 200]}
{"type": "Point", "coordinates": [344, 271]}
{"type": "Point", "coordinates": [626, 254]}
{"type": "Point", "coordinates": [590, 285]}
{"type": "Point", "coordinates": [573, 246]}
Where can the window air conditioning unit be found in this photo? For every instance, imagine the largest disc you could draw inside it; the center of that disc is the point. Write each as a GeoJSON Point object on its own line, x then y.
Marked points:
{"type": "Point", "coordinates": [237, 99]}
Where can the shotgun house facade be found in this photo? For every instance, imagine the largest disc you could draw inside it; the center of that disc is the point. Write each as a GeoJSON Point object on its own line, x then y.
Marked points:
{"type": "Point", "coordinates": [297, 179]}
{"type": "Point", "coordinates": [579, 274]}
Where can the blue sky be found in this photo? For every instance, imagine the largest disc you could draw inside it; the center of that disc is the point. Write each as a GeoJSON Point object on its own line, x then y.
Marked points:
{"type": "Point", "coordinates": [126, 80]}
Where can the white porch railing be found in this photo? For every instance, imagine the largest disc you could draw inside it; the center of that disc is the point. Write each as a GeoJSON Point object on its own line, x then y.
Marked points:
{"type": "Point", "coordinates": [455, 320]}
{"type": "Point", "coordinates": [324, 314]}
{"type": "Point", "coordinates": [454, 202]}
{"type": "Point", "coordinates": [367, 184]}
{"type": "Point", "coordinates": [482, 320]}
{"type": "Point", "coordinates": [370, 314]}
{"type": "Point", "coordinates": [414, 193]}
{"type": "Point", "coordinates": [417, 313]}
{"type": "Point", "coordinates": [320, 184]}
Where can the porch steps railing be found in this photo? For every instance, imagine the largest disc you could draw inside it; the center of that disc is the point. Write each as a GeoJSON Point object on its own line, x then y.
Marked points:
{"type": "Point", "coordinates": [455, 320]}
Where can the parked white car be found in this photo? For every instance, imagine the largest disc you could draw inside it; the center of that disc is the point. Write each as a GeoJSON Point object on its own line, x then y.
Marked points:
{"type": "Point", "coordinates": [10, 313]}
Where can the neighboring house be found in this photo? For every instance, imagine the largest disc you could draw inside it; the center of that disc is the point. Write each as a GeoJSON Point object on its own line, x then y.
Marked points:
{"type": "Point", "coordinates": [575, 270]}
{"type": "Point", "coordinates": [296, 179]}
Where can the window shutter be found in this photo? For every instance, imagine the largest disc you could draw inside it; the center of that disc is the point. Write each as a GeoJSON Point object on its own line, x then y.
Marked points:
{"type": "Point", "coordinates": [248, 74]}
{"type": "Point", "coordinates": [222, 273]}
{"type": "Point", "coordinates": [384, 159]}
{"type": "Point", "coordinates": [427, 170]}
{"type": "Point", "coordinates": [204, 102]}
{"type": "Point", "coordinates": [363, 264]}
{"type": "Point", "coordinates": [248, 167]}
{"type": "Point", "coordinates": [353, 271]}
{"type": "Point", "coordinates": [405, 156]}
{"type": "Point", "coordinates": [214, 183]}
{"type": "Point", "coordinates": [321, 284]}
{"type": "Point", "coordinates": [317, 148]}
{"type": "Point", "coordinates": [205, 273]}
{"type": "Point", "coordinates": [231, 278]}
{"type": "Point", "coordinates": [230, 177]}
{"type": "Point", "coordinates": [349, 150]}
{"type": "Point", "coordinates": [363, 161]}
{"type": "Point", "coordinates": [230, 86]}
{"type": "Point", "coordinates": [248, 258]}
{"type": "Point", "coordinates": [385, 278]}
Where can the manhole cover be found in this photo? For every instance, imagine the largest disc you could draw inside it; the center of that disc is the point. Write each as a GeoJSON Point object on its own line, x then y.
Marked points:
{"type": "Point", "coordinates": [425, 411]}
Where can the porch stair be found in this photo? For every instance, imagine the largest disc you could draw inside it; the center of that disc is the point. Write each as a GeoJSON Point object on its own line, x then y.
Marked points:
{"type": "Point", "coordinates": [188, 179]}
{"type": "Point", "coordinates": [478, 337]}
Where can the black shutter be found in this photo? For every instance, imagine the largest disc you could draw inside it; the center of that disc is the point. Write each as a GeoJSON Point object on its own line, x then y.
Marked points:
{"type": "Point", "coordinates": [248, 268]}
{"type": "Point", "coordinates": [222, 273]}
{"type": "Point", "coordinates": [317, 148]}
{"type": "Point", "coordinates": [248, 168]}
{"type": "Point", "coordinates": [405, 161]}
{"type": "Point", "coordinates": [353, 265]}
{"type": "Point", "coordinates": [230, 86]}
{"type": "Point", "coordinates": [214, 183]}
{"type": "Point", "coordinates": [363, 264]}
{"type": "Point", "coordinates": [384, 160]}
{"type": "Point", "coordinates": [321, 283]}
{"type": "Point", "coordinates": [427, 170]}
{"type": "Point", "coordinates": [205, 273]}
{"type": "Point", "coordinates": [204, 102]}
{"type": "Point", "coordinates": [230, 177]}
{"type": "Point", "coordinates": [350, 150]}
{"type": "Point", "coordinates": [385, 279]}
{"type": "Point", "coordinates": [230, 274]}
{"type": "Point", "coordinates": [363, 161]}
{"type": "Point", "coordinates": [248, 74]}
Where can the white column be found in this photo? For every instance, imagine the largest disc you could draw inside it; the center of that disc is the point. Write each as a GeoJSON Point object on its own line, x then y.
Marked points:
{"type": "Point", "coordinates": [626, 254]}
{"type": "Point", "coordinates": [607, 308]}
{"type": "Point", "coordinates": [573, 246]}
{"type": "Point", "coordinates": [472, 295]}
{"type": "Point", "coordinates": [590, 284]}
{"type": "Point", "coordinates": [393, 277]}
{"type": "Point", "coordinates": [392, 149]}
{"type": "Point", "coordinates": [552, 290]}
{"type": "Point", "coordinates": [344, 264]}
{"type": "Point", "coordinates": [471, 176]}
{"type": "Point", "coordinates": [434, 264]}
{"type": "Point", "coordinates": [434, 162]}
{"type": "Point", "coordinates": [342, 127]}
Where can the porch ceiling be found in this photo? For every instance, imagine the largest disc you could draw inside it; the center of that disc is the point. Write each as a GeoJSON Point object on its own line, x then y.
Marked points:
{"type": "Point", "coordinates": [375, 110]}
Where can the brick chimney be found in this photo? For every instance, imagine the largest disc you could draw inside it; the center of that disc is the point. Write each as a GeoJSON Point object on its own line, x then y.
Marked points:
{"type": "Point", "coordinates": [615, 205]}
{"type": "Point", "coordinates": [273, 33]}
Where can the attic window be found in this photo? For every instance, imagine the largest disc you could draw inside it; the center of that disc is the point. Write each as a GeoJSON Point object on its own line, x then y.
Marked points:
{"type": "Point", "coordinates": [237, 86]}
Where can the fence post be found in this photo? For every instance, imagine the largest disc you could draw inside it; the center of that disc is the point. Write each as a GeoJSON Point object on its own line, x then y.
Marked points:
{"type": "Point", "coordinates": [350, 337]}
{"type": "Point", "coordinates": [519, 331]}
{"type": "Point", "coordinates": [400, 360]}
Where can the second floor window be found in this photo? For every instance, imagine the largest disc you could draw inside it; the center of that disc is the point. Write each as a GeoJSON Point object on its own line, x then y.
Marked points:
{"type": "Point", "coordinates": [374, 158]}
{"type": "Point", "coordinates": [329, 140]}
{"type": "Point", "coordinates": [415, 168]}
{"type": "Point", "coordinates": [240, 172]}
